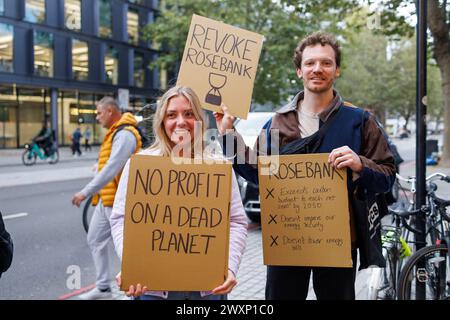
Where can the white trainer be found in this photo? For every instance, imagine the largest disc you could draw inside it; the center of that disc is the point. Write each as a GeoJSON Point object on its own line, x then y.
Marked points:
{"type": "Point", "coordinates": [95, 294]}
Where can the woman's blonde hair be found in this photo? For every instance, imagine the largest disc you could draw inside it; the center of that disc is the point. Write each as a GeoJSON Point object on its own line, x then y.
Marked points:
{"type": "Point", "coordinates": [162, 141]}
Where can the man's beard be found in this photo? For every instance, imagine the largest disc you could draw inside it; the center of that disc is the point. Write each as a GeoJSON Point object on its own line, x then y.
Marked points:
{"type": "Point", "coordinates": [320, 88]}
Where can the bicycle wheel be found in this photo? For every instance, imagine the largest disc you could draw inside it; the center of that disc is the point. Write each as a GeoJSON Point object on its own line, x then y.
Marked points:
{"type": "Point", "coordinates": [88, 211]}
{"type": "Point", "coordinates": [54, 158]}
{"type": "Point", "coordinates": [28, 158]}
{"type": "Point", "coordinates": [430, 266]}
{"type": "Point", "coordinates": [382, 280]}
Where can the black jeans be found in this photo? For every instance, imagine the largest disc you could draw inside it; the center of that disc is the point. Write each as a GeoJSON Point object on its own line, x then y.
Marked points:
{"type": "Point", "coordinates": [292, 283]}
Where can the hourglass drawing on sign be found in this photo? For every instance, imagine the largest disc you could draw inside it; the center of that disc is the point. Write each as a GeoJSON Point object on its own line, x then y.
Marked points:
{"type": "Point", "coordinates": [216, 81]}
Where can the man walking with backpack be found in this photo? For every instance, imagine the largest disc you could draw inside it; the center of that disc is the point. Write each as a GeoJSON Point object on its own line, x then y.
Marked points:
{"type": "Point", "coordinates": [353, 141]}
{"type": "Point", "coordinates": [121, 141]}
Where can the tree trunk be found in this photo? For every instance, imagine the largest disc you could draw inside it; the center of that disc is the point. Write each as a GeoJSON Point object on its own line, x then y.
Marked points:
{"type": "Point", "coordinates": [437, 22]}
{"type": "Point", "coordinates": [406, 117]}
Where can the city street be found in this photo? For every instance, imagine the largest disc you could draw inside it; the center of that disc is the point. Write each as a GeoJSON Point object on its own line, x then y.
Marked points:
{"type": "Point", "coordinates": [50, 240]}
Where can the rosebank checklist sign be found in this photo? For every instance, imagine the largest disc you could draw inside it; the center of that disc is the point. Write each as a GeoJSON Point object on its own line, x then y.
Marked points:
{"type": "Point", "coordinates": [220, 63]}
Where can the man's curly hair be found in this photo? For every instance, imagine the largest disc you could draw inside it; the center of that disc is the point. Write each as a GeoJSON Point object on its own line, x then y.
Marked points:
{"type": "Point", "coordinates": [318, 37]}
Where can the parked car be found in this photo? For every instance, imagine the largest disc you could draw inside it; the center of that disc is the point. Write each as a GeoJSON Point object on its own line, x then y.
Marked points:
{"type": "Point", "coordinates": [250, 129]}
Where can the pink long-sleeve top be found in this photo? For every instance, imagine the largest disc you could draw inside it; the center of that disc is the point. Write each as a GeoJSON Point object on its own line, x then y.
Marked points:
{"type": "Point", "coordinates": [238, 222]}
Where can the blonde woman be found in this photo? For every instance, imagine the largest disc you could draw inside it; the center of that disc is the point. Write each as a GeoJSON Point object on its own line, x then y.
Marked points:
{"type": "Point", "coordinates": [178, 126]}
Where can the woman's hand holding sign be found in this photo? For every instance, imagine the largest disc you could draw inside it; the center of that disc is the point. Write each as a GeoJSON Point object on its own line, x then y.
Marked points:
{"type": "Point", "coordinates": [227, 286]}
{"type": "Point", "coordinates": [138, 290]}
{"type": "Point", "coordinates": [345, 157]}
{"type": "Point", "coordinates": [224, 120]}
{"type": "Point", "coordinates": [133, 291]}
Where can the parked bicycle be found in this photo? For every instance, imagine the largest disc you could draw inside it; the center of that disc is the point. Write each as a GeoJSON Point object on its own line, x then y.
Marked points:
{"type": "Point", "coordinates": [395, 239]}
{"type": "Point", "coordinates": [426, 275]}
{"type": "Point", "coordinates": [399, 236]}
{"type": "Point", "coordinates": [33, 151]}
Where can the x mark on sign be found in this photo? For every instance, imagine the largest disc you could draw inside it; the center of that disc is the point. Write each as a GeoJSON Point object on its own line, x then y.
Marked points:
{"type": "Point", "coordinates": [274, 241]}
{"type": "Point", "coordinates": [270, 193]}
{"type": "Point", "coordinates": [272, 219]}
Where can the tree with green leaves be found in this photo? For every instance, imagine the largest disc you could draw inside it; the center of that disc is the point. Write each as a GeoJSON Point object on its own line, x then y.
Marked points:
{"type": "Point", "coordinates": [365, 71]}
{"type": "Point", "coordinates": [393, 24]}
{"type": "Point", "coordinates": [282, 23]}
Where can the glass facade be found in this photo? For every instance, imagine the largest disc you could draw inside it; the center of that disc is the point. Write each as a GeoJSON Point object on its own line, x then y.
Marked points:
{"type": "Point", "coordinates": [72, 14]}
{"type": "Point", "coordinates": [23, 111]}
{"type": "Point", "coordinates": [6, 47]}
{"type": "Point", "coordinates": [43, 54]}
{"type": "Point", "coordinates": [40, 55]}
{"type": "Point", "coordinates": [139, 70]}
{"type": "Point", "coordinates": [77, 109]}
{"type": "Point", "coordinates": [133, 26]}
{"type": "Point", "coordinates": [33, 105]}
{"type": "Point", "coordinates": [80, 60]}
{"type": "Point", "coordinates": [111, 65]}
{"type": "Point", "coordinates": [8, 116]}
{"type": "Point", "coordinates": [35, 11]}
{"type": "Point", "coordinates": [105, 26]}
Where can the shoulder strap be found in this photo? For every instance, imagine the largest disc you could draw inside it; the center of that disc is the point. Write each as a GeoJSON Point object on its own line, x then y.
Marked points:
{"type": "Point", "coordinates": [312, 143]}
{"type": "Point", "coordinates": [324, 128]}
{"type": "Point", "coordinates": [120, 128]}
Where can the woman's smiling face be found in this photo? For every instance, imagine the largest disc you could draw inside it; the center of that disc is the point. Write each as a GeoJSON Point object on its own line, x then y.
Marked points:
{"type": "Point", "coordinates": [179, 121]}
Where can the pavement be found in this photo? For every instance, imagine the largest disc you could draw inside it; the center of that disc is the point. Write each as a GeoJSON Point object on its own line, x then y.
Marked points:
{"type": "Point", "coordinates": [69, 167]}
{"type": "Point", "coordinates": [252, 273]}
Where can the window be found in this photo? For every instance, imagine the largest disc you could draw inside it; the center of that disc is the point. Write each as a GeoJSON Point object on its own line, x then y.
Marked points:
{"type": "Point", "coordinates": [139, 69]}
{"type": "Point", "coordinates": [8, 117]}
{"type": "Point", "coordinates": [33, 106]}
{"type": "Point", "coordinates": [2, 7]}
{"type": "Point", "coordinates": [35, 11]}
{"type": "Point", "coordinates": [137, 1]}
{"type": "Point", "coordinates": [111, 66]}
{"type": "Point", "coordinates": [43, 54]}
{"type": "Point", "coordinates": [105, 27]}
{"type": "Point", "coordinates": [80, 60]}
{"type": "Point", "coordinates": [72, 14]}
{"type": "Point", "coordinates": [133, 26]}
{"type": "Point", "coordinates": [6, 47]}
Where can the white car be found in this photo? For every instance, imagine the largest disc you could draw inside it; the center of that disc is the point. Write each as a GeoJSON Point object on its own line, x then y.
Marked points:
{"type": "Point", "coordinates": [249, 130]}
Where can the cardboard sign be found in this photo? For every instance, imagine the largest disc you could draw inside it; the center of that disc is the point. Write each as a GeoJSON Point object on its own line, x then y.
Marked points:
{"type": "Point", "coordinates": [219, 64]}
{"type": "Point", "coordinates": [304, 211]}
{"type": "Point", "coordinates": [177, 222]}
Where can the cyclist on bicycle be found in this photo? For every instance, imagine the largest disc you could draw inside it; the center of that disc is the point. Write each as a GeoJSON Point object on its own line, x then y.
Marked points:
{"type": "Point", "coordinates": [44, 139]}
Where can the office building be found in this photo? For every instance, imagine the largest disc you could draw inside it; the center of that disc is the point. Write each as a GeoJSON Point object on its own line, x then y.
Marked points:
{"type": "Point", "coordinates": [58, 57]}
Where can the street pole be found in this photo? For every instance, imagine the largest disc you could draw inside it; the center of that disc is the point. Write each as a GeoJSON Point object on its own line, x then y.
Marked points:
{"type": "Point", "coordinates": [421, 132]}
{"type": "Point", "coordinates": [54, 108]}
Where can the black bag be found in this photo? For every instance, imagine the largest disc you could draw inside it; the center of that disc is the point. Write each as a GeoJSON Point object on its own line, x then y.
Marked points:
{"type": "Point", "coordinates": [368, 211]}
{"type": "Point", "coordinates": [6, 248]}
{"type": "Point", "coordinates": [309, 144]}
{"type": "Point", "coordinates": [146, 142]}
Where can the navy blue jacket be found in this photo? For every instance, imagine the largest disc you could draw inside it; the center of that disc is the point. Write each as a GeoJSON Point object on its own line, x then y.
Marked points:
{"type": "Point", "coordinates": [350, 127]}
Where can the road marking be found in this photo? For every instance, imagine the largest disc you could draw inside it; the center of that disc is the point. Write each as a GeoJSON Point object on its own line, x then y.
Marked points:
{"type": "Point", "coordinates": [16, 215]}
{"type": "Point", "coordinates": [77, 292]}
